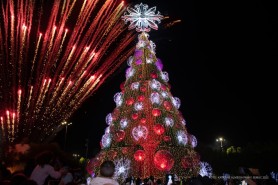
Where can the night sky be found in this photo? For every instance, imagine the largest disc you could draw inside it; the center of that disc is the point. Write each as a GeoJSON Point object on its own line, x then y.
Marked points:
{"type": "Point", "coordinates": [220, 59]}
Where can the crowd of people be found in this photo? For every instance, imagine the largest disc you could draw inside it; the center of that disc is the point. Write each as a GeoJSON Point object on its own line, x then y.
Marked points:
{"type": "Point", "coordinates": [48, 170]}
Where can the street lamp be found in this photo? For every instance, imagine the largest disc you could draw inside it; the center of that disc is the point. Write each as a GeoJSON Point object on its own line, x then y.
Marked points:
{"type": "Point", "coordinates": [221, 140]}
{"type": "Point", "coordinates": [66, 124]}
{"type": "Point", "coordinates": [76, 155]}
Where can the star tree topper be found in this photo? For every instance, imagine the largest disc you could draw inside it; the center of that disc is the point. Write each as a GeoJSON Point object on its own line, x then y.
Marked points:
{"type": "Point", "coordinates": [141, 18]}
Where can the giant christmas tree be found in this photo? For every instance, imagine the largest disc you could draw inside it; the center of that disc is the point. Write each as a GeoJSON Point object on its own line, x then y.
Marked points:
{"type": "Point", "coordinates": [146, 133]}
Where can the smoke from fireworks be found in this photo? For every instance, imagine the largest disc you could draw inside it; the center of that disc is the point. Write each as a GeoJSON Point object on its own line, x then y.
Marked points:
{"type": "Point", "coordinates": [54, 55]}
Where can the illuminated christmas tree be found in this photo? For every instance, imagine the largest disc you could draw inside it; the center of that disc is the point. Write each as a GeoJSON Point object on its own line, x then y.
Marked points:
{"type": "Point", "coordinates": [146, 133]}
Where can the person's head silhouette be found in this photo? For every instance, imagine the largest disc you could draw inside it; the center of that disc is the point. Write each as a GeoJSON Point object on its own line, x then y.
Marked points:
{"type": "Point", "coordinates": [107, 168]}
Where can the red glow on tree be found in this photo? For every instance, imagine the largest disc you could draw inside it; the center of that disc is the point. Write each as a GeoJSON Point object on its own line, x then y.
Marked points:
{"type": "Point", "coordinates": [163, 160]}
{"type": "Point", "coordinates": [153, 75]}
{"type": "Point", "coordinates": [167, 138]}
{"type": "Point", "coordinates": [135, 116]}
{"type": "Point", "coordinates": [122, 86]}
{"type": "Point", "coordinates": [119, 135]}
{"type": "Point", "coordinates": [143, 120]}
{"type": "Point", "coordinates": [130, 101]}
{"type": "Point", "coordinates": [139, 155]}
{"type": "Point", "coordinates": [141, 98]}
{"type": "Point", "coordinates": [159, 129]}
{"type": "Point", "coordinates": [167, 105]}
{"type": "Point", "coordinates": [164, 87]}
{"type": "Point", "coordinates": [156, 112]}
{"type": "Point", "coordinates": [143, 88]}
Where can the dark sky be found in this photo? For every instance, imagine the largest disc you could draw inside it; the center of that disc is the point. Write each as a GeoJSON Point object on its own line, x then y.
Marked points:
{"type": "Point", "coordinates": [220, 59]}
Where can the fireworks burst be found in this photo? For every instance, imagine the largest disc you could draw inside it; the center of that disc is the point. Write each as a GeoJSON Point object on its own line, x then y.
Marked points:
{"type": "Point", "coordinates": [54, 55]}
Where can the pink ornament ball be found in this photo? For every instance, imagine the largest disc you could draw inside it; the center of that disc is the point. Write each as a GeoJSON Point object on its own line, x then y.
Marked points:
{"type": "Point", "coordinates": [138, 53]}
{"type": "Point", "coordinates": [159, 64]}
{"type": "Point", "coordinates": [138, 62]}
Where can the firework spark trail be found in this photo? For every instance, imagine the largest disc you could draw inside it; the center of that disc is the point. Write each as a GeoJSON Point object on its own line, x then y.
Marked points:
{"type": "Point", "coordinates": [57, 89]}
{"type": "Point", "coordinates": [35, 56]}
{"type": "Point", "coordinates": [3, 127]}
{"type": "Point", "coordinates": [43, 96]}
{"type": "Point", "coordinates": [84, 90]}
{"type": "Point", "coordinates": [18, 103]}
{"type": "Point", "coordinates": [29, 99]}
{"type": "Point", "coordinates": [61, 40]}
{"type": "Point", "coordinates": [8, 122]}
{"type": "Point", "coordinates": [75, 104]}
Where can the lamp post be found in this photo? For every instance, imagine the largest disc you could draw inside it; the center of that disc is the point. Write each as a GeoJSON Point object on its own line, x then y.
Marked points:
{"type": "Point", "coordinates": [66, 124]}
{"type": "Point", "coordinates": [220, 140]}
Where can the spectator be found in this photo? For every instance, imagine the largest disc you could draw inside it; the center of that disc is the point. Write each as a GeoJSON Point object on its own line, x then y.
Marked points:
{"type": "Point", "coordinates": [44, 168]}
{"type": "Point", "coordinates": [107, 169]}
{"type": "Point", "coordinates": [29, 182]}
{"type": "Point", "coordinates": [67, 176]}
{"type": "Point", "coordinates": [18, 178]}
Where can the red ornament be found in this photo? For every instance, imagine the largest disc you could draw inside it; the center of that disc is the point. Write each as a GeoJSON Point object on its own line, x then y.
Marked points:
{"type": "Point", "coordinates": [134, 116]}
{"type": "Point", "coordinates": [159, 129]}
{"type": "Point", "coordinates": [139, 155]}
{"type": "Point", "coordinates": [153, 75]}
{"type": "Point", "coordinates": [143, 120]}
{"type": "Point", "coordinates": [167, 105]}
{"type": "Point", "coordinates": [119, 135]}
{"type": "Point", "coordinates": [122, 86]}
{"type": "Point", "coordinates": [163, 87]}
{"type": "Point", "coordinates": [167, 138]}
{"type": "Point", "coordinates": [163, 160]}
{"type": "Point", "coordinates": [141, 98]}
{"type": "Point", "coordinates": [143, 88]}
{"type": "Point", "coordinates": [125, 150]}
{"type": "Point", "coordinates": [186, 162]}
{"type": "Point", "coordinates": [130, 101]}
{"type": "Point", "coordinates": [156, 112]}
{"type": "Point", "coordinates": [115, 114]}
